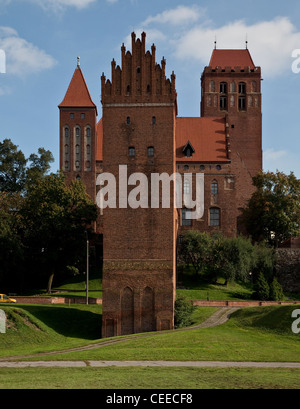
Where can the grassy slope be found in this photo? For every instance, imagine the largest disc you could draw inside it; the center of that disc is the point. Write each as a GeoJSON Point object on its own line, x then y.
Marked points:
{"type": "Point", "coordinates": [252, 334]}
{"type": "Point", "coordinates": [36, 328]}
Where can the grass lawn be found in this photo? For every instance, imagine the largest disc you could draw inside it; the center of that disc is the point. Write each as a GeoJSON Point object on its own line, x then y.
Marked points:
{"type": "Point", "coordinates": [252, 334]}
{"type": "Point", "coordinates": [149, 378]}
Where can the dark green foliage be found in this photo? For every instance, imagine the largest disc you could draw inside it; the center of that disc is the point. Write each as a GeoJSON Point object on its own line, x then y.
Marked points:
{"type": "Point", "coordinates": [273, 211]}
{"type": "Point", "coordinates": [276, 292]}
{"type": "Point", "coordinates": [43, 222]}
{"type": "Point", "coordinates": [183, 312]}
{"type": "Point", "coordinates": [261, 288]}
{"type": "Point", "coordinates": [196, 249]}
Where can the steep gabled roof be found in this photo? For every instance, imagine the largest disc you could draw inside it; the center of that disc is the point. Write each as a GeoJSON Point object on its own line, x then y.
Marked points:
{"type": "Point", "coordinates": [205, 135]}
{"type": "Point", "coordinates": [231, 58]}
{"type": "Point", "coordinates": [77, 94]}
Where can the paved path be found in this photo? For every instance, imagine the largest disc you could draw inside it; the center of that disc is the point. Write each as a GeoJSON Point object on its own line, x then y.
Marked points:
{"type": "Point", "coordinates": [218, 318]}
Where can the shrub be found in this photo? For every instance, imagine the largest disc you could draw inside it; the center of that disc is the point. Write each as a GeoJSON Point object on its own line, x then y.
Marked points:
{"type": "Point", "coordinates": [261, 288]}
{"type": "Point", "coordinates": [183, 312]}
{"type": "Point", "coordinates": [276, 292]}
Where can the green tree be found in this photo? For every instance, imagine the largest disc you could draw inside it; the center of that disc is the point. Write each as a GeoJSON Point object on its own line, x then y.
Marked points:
{"type": "Point", "coordinates": [16, 172]}
{"type": "Point", "coordinates": [264, 257]}
{"type": "Point", "coordinates": [261, 288]}
{"type": "Point", "coordinates": [276, 291]}
{"type": "Point", "coordinates": [183, 312]}
{"type": "Point", "coordinates": [273, 211]}
{"type": "Point", "coordinates": [12, 167]}
{"type": "Point", "coordinates": [232, 258]}
{"type": "Point", "coordinates": [55, 217]}
{"type": "Point", "coordinates": [196, 250]}
{"type": "Point", "coordinates": [11, 248]}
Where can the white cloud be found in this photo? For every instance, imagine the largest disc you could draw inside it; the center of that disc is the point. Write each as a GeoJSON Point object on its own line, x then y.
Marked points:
{"type": "Point", "coordinates": [178, 16]}
{"type": "Point", "coordinates": [272, 155]}
{"type": "Point", "coordinates": [270, 42]}
{"type": "Point", "coordinates": [22, 57]}
{"type": "Point", "coordinates": [60, 5]}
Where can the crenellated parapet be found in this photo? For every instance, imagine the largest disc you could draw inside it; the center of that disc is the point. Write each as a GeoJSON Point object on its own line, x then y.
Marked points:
{"type": "Point", "coordinates": [139, 79]}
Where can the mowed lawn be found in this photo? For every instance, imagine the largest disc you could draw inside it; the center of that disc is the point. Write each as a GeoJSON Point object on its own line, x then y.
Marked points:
{"type": "Point", "coordinates": [252, 334]}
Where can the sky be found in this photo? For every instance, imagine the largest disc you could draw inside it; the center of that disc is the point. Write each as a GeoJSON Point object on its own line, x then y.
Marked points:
{"type": "Point", "coordinates": [40, 41]}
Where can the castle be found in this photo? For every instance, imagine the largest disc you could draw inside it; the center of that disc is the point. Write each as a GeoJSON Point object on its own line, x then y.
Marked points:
{"type": "Point", "coordinates": [140, 129]}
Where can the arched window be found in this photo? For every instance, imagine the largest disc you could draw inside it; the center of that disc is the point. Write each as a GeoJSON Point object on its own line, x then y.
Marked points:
{"type": "Point", "coordinates": [223, 87]}
{"type": "Point", "coordinates": [212, 86]}
{"type": "Point", "coordinates": [242, 88]}
{"type": "Point", "coordinates": [186, 217]}
{"type": "Point", "coordinates": [186, 187]}
{"type": "Point", "coordinates": [214, 216]}
{"type": "Point", "coordinates": [150, 151]}
{"type": "Point", "coordinates": [214, 188]}
{"type": "Point", "coordinates": [66, 148]}
{"type": "Point", "coordinates": [131, 151]}
{"type": "Point", "coordinates": [87, 147]}
{"type": "Point", "coordinates": [77, 148]}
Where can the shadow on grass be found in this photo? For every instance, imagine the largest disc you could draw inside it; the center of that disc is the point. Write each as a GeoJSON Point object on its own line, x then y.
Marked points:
{"type": "Point", "coordinates": [68, 322]}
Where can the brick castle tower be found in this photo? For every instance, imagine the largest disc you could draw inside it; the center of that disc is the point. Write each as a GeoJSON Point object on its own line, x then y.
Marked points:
{"type": "Point", "coordinates": [140, 131]}
{"type": "Point", "coordinates": [231, 87]}
{"type": "Point", "coordinates": [139, 112]}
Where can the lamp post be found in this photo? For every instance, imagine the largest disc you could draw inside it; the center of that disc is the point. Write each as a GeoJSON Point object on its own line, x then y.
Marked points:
{"type": "Point", "coordinates": [87, 268]}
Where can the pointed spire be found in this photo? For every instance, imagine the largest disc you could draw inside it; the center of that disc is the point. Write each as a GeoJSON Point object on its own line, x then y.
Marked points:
{"type": "Point", "coordinates": [78, 62]}
{"type": "Point", "coordinates": [77, 94]}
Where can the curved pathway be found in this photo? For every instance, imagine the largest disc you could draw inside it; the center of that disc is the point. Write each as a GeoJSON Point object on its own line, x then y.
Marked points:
{"type": "Point", "coordinates": [218, 318]}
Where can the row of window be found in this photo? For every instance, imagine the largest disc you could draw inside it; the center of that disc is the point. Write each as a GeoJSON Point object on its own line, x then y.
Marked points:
{"type": "Point", "coordinates": [72, 115]}
{"type": "Point", "coordinates": [76, 146]}
{"type": "Point", "coordinates": [241, 87]}
{"type": "Point", "coordinates": [214, 188]}
{"type": "Point", "coordinates": [201, 167]}
{"type": "Point", "coordinates": [214, 217]}
{"type": "Point", "coordinates": [150, 151]}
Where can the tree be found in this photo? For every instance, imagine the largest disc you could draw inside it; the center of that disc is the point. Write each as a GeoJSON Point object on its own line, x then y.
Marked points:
{"type": "Point", "coordinates": [55, 218]}
{"type": "Point", "coordinates": [12, 167]}
{"type": "Point", "coordinates": [273, 211]}
{"type": "Point", "coordinates": [261, 288]}
{"type": "Point", "coordinates": [276, 291]}
{"type": "Point", "coordinates": [11, 248]}
{"type": "Point", "coordinates": [16, 172]}
{"type": "Point", "coordinates": [196, 249]}
{"type": "Point", "coordinates": [232, 258]}
{"type": "Point", "coordinates": [183, 312]}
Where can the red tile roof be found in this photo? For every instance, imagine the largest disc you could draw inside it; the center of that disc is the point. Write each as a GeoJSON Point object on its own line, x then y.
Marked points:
{"type": "Point", "coordinates": [206, 135]}
{"type": "Point", "coordinates": [231, 58]}
{"type": "Point", "coordinates": [77, 94]}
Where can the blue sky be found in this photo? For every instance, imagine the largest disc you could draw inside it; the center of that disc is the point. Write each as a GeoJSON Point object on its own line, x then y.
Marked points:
{"type": "Point", "coordinates": [42, 39]}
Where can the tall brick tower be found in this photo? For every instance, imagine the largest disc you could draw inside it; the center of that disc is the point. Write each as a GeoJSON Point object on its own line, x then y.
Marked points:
{"type": "Point", "coordinates": [78, 116]}
{"type": "Point", "coordinates": [231, 87]}
{"type": "Point", "coordinates": [139, 112]}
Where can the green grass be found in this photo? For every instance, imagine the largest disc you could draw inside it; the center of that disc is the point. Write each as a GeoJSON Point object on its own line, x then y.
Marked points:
{"type": "Point", "coordinates": [252, 334]}
{"type": "Point", "coordinates": [35, 328]}
{"type": "Point", "coordinates": [149, 378]}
